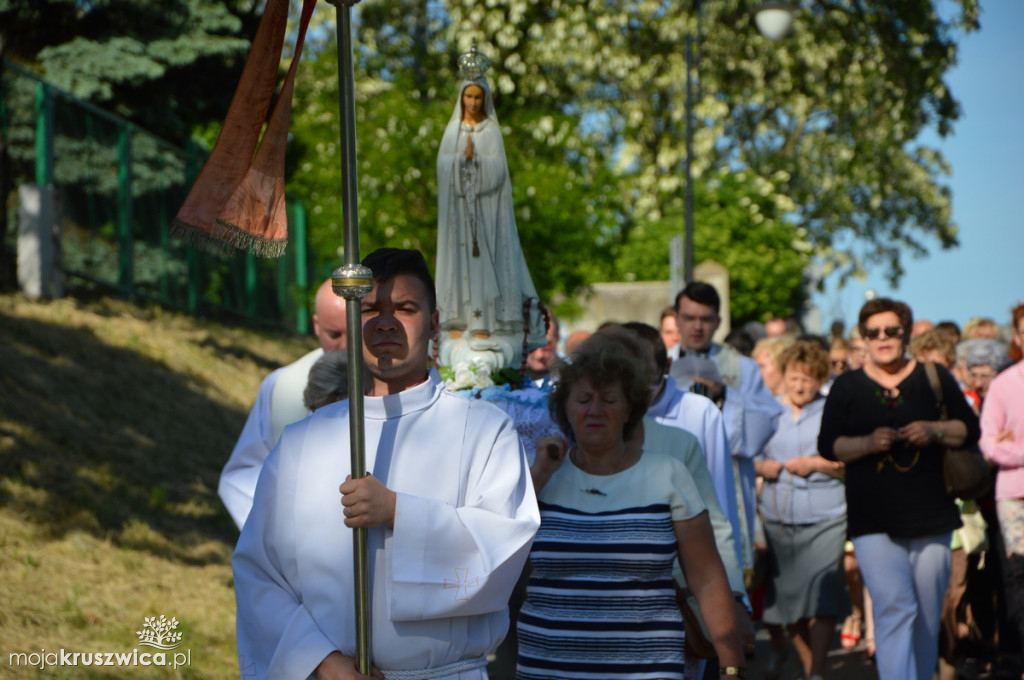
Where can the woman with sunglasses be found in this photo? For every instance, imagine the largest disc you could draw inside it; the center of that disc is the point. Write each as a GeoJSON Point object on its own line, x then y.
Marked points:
{"type": "Point", "coordinates": [883, 421]}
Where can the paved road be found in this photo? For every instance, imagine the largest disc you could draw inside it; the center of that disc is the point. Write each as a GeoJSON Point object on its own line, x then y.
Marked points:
{"type": "Point", "coordinates": [843, 664]}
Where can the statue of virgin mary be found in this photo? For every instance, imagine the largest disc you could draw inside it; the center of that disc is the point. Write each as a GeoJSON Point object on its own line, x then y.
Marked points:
{"type": "Point", "coordinates": [482, 278]}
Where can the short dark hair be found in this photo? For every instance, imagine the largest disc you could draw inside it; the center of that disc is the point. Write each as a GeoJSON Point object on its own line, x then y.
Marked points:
{"type": "Point", "coordinates": [700, 292]}
{"type": "Point", "coordinates": [653, 337]}
{"type": "Point", "coordinates": [387, 263]}
{"type": "Point", "coordinates": [951, 328]}
{"type": "Point", "coordinates": [604, 360]}
{"type": "Point", "coordinates": [882, 305]}
{"type": "Point", "coordinates": [740, 341]}
{"type": "Point", "coordinates": [814, 337]}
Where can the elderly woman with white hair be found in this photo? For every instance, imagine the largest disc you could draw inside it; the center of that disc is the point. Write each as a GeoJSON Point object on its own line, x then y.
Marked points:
{"type": "Point", "coordinates": [983, 360]}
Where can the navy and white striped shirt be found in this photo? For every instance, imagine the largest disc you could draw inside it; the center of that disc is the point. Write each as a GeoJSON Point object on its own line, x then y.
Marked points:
{"type": "Point", "coordinates": [601, 602]}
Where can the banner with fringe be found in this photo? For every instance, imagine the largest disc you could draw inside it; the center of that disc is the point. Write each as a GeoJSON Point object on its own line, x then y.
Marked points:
{"type": "Point", "coordinates": [238, 199]}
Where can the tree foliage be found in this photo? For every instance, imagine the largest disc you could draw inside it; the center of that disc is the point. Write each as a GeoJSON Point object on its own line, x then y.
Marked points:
{"type": "Point", "coordinates": [166, 65]}
{"type": "Point", "coordinates": [821, 130]}
{"type": "Point", "coordinates": [736, 223]}
{"type": "Point", "coordinates": [827, 121]}
{"type": "Point", "coordinates": [831, 115]}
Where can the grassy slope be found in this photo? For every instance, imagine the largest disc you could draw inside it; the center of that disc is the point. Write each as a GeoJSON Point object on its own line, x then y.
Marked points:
{"type": "Point", "coordinates": [114, 424]}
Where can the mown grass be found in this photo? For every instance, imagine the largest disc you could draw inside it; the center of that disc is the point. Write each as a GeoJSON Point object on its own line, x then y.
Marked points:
{"type": "Point", "coordinates": [115, 421]}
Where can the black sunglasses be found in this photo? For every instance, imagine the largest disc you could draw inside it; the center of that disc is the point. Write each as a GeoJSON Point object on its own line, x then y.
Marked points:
{"type": "Point", "coordinates": [890, 332]}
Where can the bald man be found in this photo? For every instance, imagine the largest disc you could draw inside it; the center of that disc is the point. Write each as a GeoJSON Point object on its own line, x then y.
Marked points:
{"type": "Point", "coordinates": [920, 327]}
{"type": "Point", "coordinates": [279, 403]}
{"type": "Point", "coordinates": [574, 340]}
{"type": "Point", "coordinates": [329, 319]}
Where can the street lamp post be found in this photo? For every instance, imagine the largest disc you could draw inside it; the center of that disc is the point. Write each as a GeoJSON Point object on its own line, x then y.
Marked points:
{"type": "Point", "coordinates": [688, 198]}
{"type": "Point", "coordinates": [773, 19]}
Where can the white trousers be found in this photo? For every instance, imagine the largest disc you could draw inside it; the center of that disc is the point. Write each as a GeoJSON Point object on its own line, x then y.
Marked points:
{"type": "Point", "coordinates": [907, 579]}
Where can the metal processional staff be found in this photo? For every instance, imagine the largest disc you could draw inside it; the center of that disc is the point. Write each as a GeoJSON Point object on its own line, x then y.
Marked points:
{"type": "Point", "coordinates": [353, 281]}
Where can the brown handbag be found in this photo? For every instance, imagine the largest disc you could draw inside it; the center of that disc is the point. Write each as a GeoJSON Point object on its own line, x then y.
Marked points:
{"type": "Point", "coordinates": [966, 472]}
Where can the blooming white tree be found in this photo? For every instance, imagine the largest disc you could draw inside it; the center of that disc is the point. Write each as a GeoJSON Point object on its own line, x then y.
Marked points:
{"type": "Point", "coordinates": [826, 125]}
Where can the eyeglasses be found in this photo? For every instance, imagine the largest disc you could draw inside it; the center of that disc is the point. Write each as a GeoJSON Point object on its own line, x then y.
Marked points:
{"type": "Point", "coordinates": [705, 320]}
{"type": "Point", "coordinates": [890, 332]}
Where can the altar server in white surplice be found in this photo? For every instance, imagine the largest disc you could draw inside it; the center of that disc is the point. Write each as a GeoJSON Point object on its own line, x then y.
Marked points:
{"type": "Point", "coordinates": [279, 403]}
{"type": "Point", "coordinates": [449, 506]}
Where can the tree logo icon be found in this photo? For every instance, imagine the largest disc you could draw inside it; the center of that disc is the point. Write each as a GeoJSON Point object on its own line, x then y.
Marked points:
{"type": "Point", "coordinates": [159, 633]}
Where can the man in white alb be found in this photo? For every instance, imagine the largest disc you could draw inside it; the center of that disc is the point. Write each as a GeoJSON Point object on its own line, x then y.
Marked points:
{"type": "Point", "coordinates": [449, 508]}
{"type": "Point", "coordinates": [750, 410]}
{"type": "Point", "coordinates": [278, 403]}
{"type": "Point", "coordinates": [699, 416]}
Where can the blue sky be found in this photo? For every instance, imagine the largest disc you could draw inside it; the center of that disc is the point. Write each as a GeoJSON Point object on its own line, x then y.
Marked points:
{"type": "Point", "coordinates": [985, 275]}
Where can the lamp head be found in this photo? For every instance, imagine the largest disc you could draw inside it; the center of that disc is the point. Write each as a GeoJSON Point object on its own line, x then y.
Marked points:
{"type": "Point", "coordinates": [773, 18]}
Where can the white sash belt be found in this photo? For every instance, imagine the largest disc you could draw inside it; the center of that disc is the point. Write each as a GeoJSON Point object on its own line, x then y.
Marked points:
{"type": "Point", "coordinates": [438, 672]}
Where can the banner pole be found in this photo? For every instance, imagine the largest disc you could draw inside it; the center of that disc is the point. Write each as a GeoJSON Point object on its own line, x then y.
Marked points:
{"type": "Point", "coordinates": [353, 281]}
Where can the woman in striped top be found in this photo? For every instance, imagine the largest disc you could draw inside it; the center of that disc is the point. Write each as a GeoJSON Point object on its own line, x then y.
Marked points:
{"type": "Point", "coordinates": [600, 602]}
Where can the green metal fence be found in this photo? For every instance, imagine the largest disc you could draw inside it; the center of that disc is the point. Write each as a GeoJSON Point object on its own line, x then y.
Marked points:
{"type": "Point", "coordinates": [119, 187]}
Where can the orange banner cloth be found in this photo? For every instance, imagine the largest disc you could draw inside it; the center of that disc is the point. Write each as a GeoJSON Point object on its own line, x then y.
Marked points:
{"type": "Point", "coordinates": [238, 200]}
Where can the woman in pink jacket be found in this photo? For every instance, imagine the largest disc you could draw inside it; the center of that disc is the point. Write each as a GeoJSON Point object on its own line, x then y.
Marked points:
{"type": "Point", "coordinates": [1002, 440]}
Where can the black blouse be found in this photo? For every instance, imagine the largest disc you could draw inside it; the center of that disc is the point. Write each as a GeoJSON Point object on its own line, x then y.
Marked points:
{"type": "Point", "coordinates": [899, 492]}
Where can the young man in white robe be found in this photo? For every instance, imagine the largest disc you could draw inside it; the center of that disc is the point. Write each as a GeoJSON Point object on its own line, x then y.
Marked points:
{"type": "Point", "coordinates": [750, 410]}
{"type": "Point", "coordinates": [448, 504]}
{"type": "Point", "coordinates": [278, 403]}
{"type": "Point", "coordinates": [699, 416]}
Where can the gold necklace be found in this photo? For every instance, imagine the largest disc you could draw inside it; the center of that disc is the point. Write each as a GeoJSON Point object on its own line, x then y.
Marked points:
{"type": "Point", "coordinates": [896, 466]}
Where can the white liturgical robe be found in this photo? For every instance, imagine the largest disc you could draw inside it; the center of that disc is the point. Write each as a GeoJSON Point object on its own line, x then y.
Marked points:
{"type": "Point", "coordinates": [278, 403]}
{"type": "Point", "coordinates": [440, 580]}
{"type": "Point", "coordinates": [699, 416]}
{"type": "Point", "coordinates": [685, 446]}
{"type": "Point", "coordinates": [751, 415]}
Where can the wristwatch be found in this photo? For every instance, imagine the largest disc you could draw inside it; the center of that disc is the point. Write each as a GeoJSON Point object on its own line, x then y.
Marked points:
{"type": "Point", "coordinates": [734, 671]}
{"type": "Point", "coordinates": [937, 433]}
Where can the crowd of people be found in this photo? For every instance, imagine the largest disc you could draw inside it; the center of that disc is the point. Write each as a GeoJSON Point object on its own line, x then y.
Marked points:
{"type": "Point", "coordinates": [932, 582]}
{"type": "Point", "coordinates": [639, 499]}
{"type": "Point", "coordinates": [639, 505]}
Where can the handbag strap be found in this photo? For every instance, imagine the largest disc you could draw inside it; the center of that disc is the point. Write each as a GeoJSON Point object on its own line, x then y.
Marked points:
{"type": "Point", "coordinates": [933, 378]}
